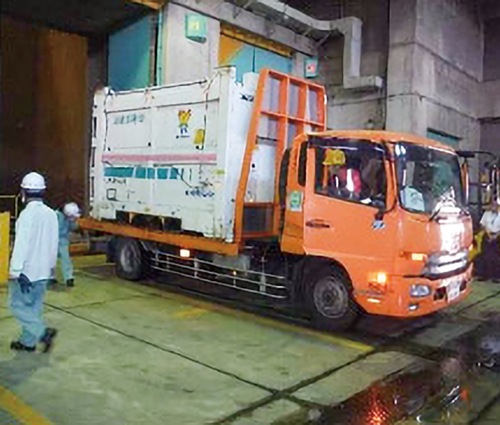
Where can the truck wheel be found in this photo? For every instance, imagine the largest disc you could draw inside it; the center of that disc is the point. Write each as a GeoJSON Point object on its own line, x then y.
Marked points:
{"type": "Point", "coordinates": [128, 259]}
{"type": "Point", "coordinates": [329, 296]}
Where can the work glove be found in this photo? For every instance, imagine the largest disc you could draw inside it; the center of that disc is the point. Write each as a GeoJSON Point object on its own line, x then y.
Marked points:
{"type": "Point", "coordinates": [24, 283]}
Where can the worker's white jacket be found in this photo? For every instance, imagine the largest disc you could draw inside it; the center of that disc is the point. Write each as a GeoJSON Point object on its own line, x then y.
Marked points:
{"type": "Point", "coordinates": [35, 246]}
{"type": "Point", "coordinates": [491, 221]}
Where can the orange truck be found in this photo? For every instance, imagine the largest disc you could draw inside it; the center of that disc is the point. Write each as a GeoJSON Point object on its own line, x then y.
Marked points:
{"type": "Point", "coordinates": [239, 184]}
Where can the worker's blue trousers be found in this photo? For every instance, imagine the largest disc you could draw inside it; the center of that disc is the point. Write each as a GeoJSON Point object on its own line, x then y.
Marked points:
{"type": "Point", "coordinates": [66, 264]}
{"type": "Point", "coordinates": [28, 310]}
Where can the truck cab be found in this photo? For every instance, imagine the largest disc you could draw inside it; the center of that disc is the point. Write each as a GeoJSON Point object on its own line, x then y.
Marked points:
{"type": "Point", "coordinates": [387, 212]}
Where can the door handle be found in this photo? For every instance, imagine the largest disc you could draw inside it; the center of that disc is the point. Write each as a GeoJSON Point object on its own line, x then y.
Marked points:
{"type": "Point", "coordinates": [318, 224]}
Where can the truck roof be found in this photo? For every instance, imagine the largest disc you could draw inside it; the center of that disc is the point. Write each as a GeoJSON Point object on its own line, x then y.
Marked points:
{"type": "Point", "coordinates": [379, 136]}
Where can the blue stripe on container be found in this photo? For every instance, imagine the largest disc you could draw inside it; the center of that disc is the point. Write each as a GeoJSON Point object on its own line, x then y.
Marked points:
{"type": "Point", "coordinates": [148, 173]}
{"type": "Point", "coordinates": [176, 174]}
{"type": "Point", "coordinates": [140, 172]}
{"type": "Point", "coordinates": [162, 173]}
{"type": "Point", "coordinates": [119, 172]}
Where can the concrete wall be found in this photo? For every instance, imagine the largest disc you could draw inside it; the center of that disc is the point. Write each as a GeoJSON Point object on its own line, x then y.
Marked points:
{"type": "Point", "coordinates": [435, 68]}
{"type": "Point", "coordinates": [490, 99]}
{"type": "Point", "coordinates": [490, 112]}
{"type": "Point", "coordinates": [350, 109]}
{"type": "Point", "coordinates": [492, 49]}
{"type": "Point", "coordinates": [431, 55]}
{"type": "Point", "coordinates": [490, 136]}
{"type": "Point", "coordinates": [184, 59]}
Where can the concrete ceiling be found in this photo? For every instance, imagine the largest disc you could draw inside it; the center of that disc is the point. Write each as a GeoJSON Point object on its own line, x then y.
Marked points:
{"type": "Point", "coordinates": [84, 17]}
{"type": "Point", "coordinates": [328, 10]}
{"type": "Point", "coordinates": [319, 9]}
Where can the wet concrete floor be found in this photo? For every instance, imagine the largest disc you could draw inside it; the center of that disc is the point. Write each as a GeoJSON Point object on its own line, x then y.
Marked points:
{"type": "Point", "coordinates": [144, 354]}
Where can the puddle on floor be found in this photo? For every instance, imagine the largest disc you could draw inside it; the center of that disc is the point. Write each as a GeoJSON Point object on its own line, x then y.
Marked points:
{"type": "Point", "coordinates": [455, 389]}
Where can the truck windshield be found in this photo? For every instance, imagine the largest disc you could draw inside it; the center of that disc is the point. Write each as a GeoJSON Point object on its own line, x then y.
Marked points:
{"type": "Point", "coordinates": [427, 177]}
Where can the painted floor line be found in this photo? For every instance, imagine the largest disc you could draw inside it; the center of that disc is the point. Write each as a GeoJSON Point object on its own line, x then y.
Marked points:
{"type": "Point", "coordinates": [99, 303]}
{"type": "Point", "coordinates": [19, 409]}
{"type": "Point", "coordinates": [270, 322]}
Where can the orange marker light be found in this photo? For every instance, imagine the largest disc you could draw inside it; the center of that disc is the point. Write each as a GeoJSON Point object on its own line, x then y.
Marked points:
{"type": "Point", "coordinates": [378, 282]}
{"type": "Point", "coordinates": [415, 256]}
{"type": "Point", "coordinates": [381, 278]}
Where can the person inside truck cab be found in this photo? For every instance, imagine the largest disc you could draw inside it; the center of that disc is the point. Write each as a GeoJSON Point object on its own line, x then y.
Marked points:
{"type": "Point", "coordinates": [343, 179]}
{"type": "Point", "coordinates": [374, 180]}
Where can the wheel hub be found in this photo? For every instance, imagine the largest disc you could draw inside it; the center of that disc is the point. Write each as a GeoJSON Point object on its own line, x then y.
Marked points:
{"type": "Point", "coordinates": [330, 298]}
{"type": "Point", "coordinates": [128, 259]}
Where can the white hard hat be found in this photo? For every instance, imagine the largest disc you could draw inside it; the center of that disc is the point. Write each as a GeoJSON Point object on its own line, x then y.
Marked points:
{"type": "Point", "coordinates": [71, 210]}
{"type": "Point", "coordinates": [33, 181]}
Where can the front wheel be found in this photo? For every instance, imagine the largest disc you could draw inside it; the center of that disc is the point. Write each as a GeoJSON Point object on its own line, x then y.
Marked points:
{"type": "Point", "coordinates": [329, 296]}
{"type": "Point", "coordinates": [129, 260]}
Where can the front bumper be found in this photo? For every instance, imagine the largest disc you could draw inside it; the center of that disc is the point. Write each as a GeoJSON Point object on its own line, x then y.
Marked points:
{"type": "Point", "coordinates": [396, 299]}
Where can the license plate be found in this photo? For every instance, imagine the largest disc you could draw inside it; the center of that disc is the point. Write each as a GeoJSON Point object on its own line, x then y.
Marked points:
{"type": "Point", "coordinates": [453, 290]}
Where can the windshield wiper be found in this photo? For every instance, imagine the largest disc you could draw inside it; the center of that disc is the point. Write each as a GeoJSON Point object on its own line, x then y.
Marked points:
{"type": "Point", "coordinates": [443, 199]}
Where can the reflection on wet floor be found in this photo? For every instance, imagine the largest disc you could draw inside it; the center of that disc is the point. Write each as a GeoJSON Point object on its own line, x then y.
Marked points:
{"type": "Point", "coordinates": [452, 389]}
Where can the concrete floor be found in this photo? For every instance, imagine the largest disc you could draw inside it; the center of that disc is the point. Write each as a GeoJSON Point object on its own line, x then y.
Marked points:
{"type": "Point", "coordinates": [134, 354]}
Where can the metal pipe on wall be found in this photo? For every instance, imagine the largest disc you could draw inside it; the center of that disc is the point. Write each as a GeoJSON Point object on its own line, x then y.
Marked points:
{"type": "Point", "coordinates": [351, 29]}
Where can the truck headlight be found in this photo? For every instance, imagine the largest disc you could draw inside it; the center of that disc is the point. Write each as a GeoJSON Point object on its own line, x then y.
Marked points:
{"type": "Point", "coordinates": [420, 291]}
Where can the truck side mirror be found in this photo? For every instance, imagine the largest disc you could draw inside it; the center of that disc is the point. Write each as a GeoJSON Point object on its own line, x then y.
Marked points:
{"type": "Point", "coordinates": [466, 154]}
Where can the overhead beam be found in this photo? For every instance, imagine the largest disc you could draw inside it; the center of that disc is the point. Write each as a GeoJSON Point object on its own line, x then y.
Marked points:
{"type": "Point", "coordinates": [152, 4]}
{"type": "Point", "coordinates": [239, 17]}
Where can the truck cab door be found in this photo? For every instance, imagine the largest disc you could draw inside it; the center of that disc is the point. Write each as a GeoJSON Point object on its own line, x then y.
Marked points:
{"type": "Point", "coordinates": [347, 187]}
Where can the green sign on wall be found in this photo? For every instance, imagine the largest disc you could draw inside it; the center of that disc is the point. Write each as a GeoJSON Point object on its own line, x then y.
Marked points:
{"type": "Point", "coordinates": [196, 27]}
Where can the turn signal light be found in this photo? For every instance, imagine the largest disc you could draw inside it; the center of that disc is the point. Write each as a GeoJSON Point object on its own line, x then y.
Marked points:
{"type": "Point", "coordinates": [378, 282]}
{"type": "Point", "coordinates": [381, 278]}
{"type": "Point", "coordinates": [415, 256]}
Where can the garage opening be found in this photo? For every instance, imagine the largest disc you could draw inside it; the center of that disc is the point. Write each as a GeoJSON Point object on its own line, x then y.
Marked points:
{"type": "Point", "coordinates": [53, 57]}
{"type": "Point", "coordinates": [44, 106]}
{"type": "Point", "coordinates": [251, 53]}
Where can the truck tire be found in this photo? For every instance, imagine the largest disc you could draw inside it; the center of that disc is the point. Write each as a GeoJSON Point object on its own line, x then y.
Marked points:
{"type": "Point", "coordinates": [129, 260]}
{"type": "Point", "coordinates": [329, 299]}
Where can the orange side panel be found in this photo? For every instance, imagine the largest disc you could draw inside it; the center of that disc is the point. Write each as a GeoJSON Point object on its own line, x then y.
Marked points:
{"type": "Point", "coordinates": [288, 115]}
{"type": "Point", "coordinates": [174, 239]}
{"type": "Point", "coordinates": [292, 240]}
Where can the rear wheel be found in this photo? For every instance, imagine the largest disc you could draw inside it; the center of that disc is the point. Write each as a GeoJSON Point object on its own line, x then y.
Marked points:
{"type": "Point", "coordinates": [329, 296]}
{"type": "Point", "coordinates": [128, 259]}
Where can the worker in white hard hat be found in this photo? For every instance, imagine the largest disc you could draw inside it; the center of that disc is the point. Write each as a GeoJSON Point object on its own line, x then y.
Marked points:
{"type": "Point", "coordinates": [32, 263]}
{"type": "Point", "coordinates": [67, 219]}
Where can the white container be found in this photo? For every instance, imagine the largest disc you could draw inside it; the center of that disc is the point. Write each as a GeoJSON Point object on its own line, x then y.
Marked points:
{"type": "Point", "coordinates": [177, 151]}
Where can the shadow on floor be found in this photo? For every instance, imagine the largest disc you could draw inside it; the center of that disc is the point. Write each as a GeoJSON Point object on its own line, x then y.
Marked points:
{"type": "Point", "coordinates": [17, 370]}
